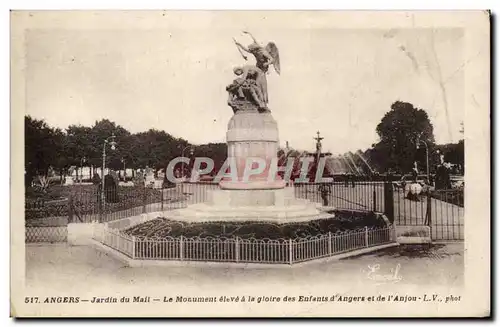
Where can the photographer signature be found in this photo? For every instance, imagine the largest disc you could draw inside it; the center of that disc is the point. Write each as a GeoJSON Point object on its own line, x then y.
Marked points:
{"type": "Point", "coordinates": [376, 276]}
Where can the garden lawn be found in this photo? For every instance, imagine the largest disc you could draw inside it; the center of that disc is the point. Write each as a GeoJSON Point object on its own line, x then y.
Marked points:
{"type": "Point", "coordinates": [86, 200]}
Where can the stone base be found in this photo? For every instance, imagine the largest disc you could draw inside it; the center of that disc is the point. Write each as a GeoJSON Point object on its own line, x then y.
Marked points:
{"type": "Point", "coordinates": [250, 197]}
{"type": "Point", "coordinates": [279, 206]}
{"type": "Point", "coordinates": [203, 213]}
{"type": "Point", "coordinates": [253, 185]}
{"type": "Point", "coordinates": [413, 234]}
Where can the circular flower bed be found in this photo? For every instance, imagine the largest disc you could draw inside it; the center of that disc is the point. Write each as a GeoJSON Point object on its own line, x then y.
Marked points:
{"type": "Point", "coordinates": [344, 220]}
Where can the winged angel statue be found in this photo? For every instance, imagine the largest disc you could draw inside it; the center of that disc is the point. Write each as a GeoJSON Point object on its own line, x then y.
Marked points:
{"type": "Point", "coordinates": [251, 85]}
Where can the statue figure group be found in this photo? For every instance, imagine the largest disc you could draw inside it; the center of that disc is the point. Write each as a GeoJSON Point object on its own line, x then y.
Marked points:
{"type": "Point", "coordinates": [249, 90]}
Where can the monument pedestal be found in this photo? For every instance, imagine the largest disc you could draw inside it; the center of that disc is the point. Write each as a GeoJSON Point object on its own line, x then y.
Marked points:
{"type": "Point", "coordinates": [251, 134]}
{"type": "Point", "coordinates": [278, 206]}
{"type": "Point", "coordinates": [256, 197]}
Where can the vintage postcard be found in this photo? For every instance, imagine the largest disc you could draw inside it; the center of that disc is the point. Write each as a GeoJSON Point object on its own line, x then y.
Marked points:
{"type": "Point", "coordinates": [250, 164]}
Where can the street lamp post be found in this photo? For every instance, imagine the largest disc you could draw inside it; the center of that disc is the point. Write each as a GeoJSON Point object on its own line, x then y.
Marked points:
{"type": "Point", "coordinates": [191, 148]}
{"type": "Point", "coordinates": [191, 152]}
{"type": "Point", "coordinates": [111, 141]}
{"type": "Point", "coordinates": [124, 170]}
{"type": "Point", "coordinates": [428, 213]}
{"type": "Point", "coordinates": [82, 161]}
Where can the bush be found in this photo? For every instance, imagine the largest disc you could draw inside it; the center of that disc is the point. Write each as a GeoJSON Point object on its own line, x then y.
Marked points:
{"type": "Point", "coordinates": [86, 200]}
{"type": "Point", "coordinates": [45, 211]}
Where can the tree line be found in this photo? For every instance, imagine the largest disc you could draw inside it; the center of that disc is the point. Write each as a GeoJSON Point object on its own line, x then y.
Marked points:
{"type": "Point", "coordinates": [48, 148]}
{"type": "Point", "coordinates": [400, 130]}
{"type": "Point", "coordinates": [402, 133]}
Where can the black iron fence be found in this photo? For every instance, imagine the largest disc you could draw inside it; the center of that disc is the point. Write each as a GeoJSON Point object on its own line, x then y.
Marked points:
{"type": "Point", "coordinates": [350, 195]}
{"type": "Point", "coordinates": [442, 210]}
{"type": "Point", "coordinates": [83, 204]}
{"type": "Point", "coordinates": [124, 201]}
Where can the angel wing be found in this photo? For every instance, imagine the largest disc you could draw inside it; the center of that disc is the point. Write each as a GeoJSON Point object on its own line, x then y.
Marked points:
{"type": "Point", "coordinates": [272, 49]}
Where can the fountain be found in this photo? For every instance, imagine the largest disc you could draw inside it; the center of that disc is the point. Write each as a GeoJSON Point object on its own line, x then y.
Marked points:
{"type": "Point", "coordinates": [360, 155]}
{"type": "Point", "coordinates": [351, 158]}
{"type": "Point", "coordinates": [348, 165]}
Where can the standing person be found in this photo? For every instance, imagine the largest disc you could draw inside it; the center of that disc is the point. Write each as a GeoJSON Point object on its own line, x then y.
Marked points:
{"type": "Point", "coordinates": [96, 179]}
{"type": "Point", "coordinates": [426, 187]}
{"type": "Point", "coordinates": [414, 174]}
{"type": "Point", "coordinates": [324, 190]}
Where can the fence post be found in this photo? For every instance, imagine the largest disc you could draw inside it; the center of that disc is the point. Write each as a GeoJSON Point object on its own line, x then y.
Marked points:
{"type": "Point", "coordinates": [429, 209]}
{"type": "Point", "coordinates": [237, 249]}
{"type": "Point", "coordinates": [389, 199]}
{"type": "Point", "coordinates": [144, 200]}
{"type": "Point", "coordinates": [374, 198]}
{"type": "Point", "coordinates": [291, 252]}
{"type": "Point", "coordinates": [104, 234]}
{"type": "Point", "coordinates": [100, 205]}
{"type": "Point", "coordinates": [181, 248]}
{"type": "Point", "coordinates": [133, 247]}
{"type": "Point", "coordinates": [162, 191]}
{"type": "Point", "coordinates": [366, 236]}
{"type": "Point", "coordinates": [71, 208]}
{"type": "Point", "coordinates": [330, 243]}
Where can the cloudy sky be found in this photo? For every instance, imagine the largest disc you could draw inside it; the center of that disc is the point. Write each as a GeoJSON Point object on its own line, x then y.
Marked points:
{"type": "Point", "coordinates": [338, 81]}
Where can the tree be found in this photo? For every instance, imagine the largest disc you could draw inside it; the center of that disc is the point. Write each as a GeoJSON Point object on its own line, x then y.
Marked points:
{"type": "Point", "coordinates": [101, 131]}
{"type": "Point", "coordinates": [453, 152]}
{"type": "Point", "coordinates": [215, 151]}
{"type": "Point", "coordinates": [78, 145]}
{"type": "Point", "coordinates": [49, 147]}
{"type": "Point", "coordinates": [155, 149]}
{"type": "Point", "coordinates": [399, 132]}
{"type": "Point", "coordinates": [43, 146]}
{"type": "Point", "coordinates": [65, 158]}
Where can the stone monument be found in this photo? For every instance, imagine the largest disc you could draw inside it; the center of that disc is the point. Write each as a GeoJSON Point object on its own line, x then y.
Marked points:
{"type": "Point", "coordinates": [111, 187]}
{"type": "Point", "coordinates": [252, 133]}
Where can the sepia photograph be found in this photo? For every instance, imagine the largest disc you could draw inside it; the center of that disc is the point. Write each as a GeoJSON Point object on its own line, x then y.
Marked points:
{"type": "Point", "coordinates": [250, 164]}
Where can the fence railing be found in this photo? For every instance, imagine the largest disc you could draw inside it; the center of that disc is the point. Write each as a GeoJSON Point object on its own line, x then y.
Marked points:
{"type": "Point", "coordinates": [442, 210]}
{"type": "Point", "coordinates": [211, 249]}
{"type": "Point", "coordinates": [83, 204]}
{"type": "Point", "coordinates": [351, 195]}
{"type": "Point", "coordinates": [49, 234]}
{"type": "Point", "coordinates": [421, 208]}
{"type": "Point", "coordinates": [121, 203]}
{"type": "Point", "coordinates": [117, 240]}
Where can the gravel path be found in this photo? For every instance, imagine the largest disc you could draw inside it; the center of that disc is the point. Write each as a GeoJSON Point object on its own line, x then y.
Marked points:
{"type": "Point", "coordinates": [69, 268]}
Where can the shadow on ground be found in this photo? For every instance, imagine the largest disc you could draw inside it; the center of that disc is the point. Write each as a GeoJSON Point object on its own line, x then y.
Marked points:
{"type": "Point", "coordinates": [419, 251]}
